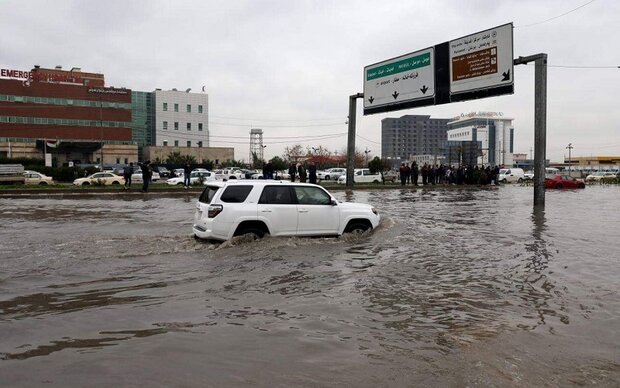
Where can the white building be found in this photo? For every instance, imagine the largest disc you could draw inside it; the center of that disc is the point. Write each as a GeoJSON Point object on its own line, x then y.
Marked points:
{"type": "Point", "coordinates": [493, 131]}
{"type": "Point", "coordinates": [181, 118]}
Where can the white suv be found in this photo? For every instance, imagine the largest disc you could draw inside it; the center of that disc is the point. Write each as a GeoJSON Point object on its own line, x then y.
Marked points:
{"type": "Point", "coordinates": [235, 208]}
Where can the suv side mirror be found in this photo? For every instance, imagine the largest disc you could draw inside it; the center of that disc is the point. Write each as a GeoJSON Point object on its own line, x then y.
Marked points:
{"type": "Point", "coordinates": [333, 202]}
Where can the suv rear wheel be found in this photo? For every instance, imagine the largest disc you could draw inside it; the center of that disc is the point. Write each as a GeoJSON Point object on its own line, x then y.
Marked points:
{"type": "Point", "coordinates": [256, 229]}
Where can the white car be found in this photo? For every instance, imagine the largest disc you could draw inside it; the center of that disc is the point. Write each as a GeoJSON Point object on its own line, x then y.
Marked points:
{"type": "Point", "coordinates": [277, 208]}
{"type": "Point", "coordinates": [511, 175]}
{"type": "Point", "coordinates": [37, 178]}
{"type": "Point", "coordinates": [331, 173]}
{"type": "Point", "coordinates": [596, 177]}
{"type": "Point", "coordinates": [136, 177]}
{"type": "Point", "coordinates": [100, 178]}
{"type": "Point", "coordinates": [361, 175]}
{"type": "Point", "coordinates": [229, 173]}
{"type": "Point", "coordinates": [195, 178]}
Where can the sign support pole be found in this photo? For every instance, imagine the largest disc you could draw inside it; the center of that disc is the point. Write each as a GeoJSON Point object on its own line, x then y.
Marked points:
{"type": "Point", "coordinates": [351, 139]}
{"type": "Point", "coordinates": [540, 123]}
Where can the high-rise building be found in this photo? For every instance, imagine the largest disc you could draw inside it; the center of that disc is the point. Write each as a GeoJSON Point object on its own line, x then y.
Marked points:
{"type": "Point", "coordinates": [412, 135]}
{"type": "Point", "coordinates": [493, 132]}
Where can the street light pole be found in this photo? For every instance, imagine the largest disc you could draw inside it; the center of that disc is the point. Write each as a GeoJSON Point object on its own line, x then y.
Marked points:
{"type": "Point", "coordinates": [367, 151]}
{"type": "Point", "coordinates": [569, 147]}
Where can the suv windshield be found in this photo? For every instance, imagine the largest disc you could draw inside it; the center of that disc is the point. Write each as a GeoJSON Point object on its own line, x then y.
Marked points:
{"type": "Point", "coordinates": [208, 194]}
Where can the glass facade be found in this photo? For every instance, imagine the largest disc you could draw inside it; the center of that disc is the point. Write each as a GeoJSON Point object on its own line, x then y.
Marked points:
{"type": "Point", "coordinates": [142, 124]}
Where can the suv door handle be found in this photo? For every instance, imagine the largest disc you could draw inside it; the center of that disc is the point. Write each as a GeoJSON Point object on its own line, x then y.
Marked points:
{"type": "Point", "coordinates": [266, 211]}
{"type": "Point", "coordinates": [303, 211]}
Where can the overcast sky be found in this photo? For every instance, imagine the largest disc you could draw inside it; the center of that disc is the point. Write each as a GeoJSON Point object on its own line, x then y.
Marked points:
{"type": "Point", "coordinates": [288, 66]}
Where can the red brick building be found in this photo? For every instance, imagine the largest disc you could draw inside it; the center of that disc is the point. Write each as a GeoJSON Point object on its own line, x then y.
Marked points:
{"type": "Point", "coordinates": [69, 106]}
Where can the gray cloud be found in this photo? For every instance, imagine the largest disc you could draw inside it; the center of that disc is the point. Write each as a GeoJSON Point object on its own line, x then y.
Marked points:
{"type": "Point", "coordinates": [268, 61]}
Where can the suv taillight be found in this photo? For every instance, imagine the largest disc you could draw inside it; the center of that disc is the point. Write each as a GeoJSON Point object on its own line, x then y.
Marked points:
{"type": "Point", "coordinates": [214, 210]}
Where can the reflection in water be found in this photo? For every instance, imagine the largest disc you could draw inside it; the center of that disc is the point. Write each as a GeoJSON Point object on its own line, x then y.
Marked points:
{"type": "Point", "coordinates": [447, 271]}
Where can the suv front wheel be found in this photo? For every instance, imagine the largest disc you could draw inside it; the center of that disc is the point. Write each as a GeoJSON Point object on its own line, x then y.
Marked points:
{"type": "Point", "coordinates": [357, 227]}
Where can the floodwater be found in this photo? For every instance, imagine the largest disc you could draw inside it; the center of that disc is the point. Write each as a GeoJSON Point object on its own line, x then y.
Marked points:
{"type": "Point", "coordinates": [456, 287]}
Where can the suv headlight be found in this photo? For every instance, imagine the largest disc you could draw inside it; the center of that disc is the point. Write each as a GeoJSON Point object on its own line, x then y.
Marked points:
{"type": "Point", "coordinates": [375, 211]}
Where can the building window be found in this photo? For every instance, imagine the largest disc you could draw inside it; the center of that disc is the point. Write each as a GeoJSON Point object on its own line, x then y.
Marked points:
{"type": "Point", "coordinates": [176, 126]}
{"type": "Point", "coordinates": [199, 108]}
{"type": "Point", "coordinates": [189, 143]}
{"type": "Point", "coordinates": [165, 143]}
{"type": "Point", "coordinates": [189, 126]}
{"type": "Point", "coordinates": [165, 125]}
{"type": "Point", "coordinates": [200, 144]}
{"type": "Point", "coordinates": [176, 107]}
{"type": "Point", "coordinates": [189, 108]}
{"type": "Point", "coordinates": [165, 106]}
{"type": "Point", "coordinates": [176, 143]}
{"type": "Point", "coordinates": [200, 126]}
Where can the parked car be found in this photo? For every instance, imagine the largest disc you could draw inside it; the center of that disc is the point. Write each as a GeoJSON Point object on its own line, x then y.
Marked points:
{"type": "Point", "coordinates": [37, 178]}
{"type": "Point", "coordinates": [362, 175]}
{"type": "Point", "coordinates": [528, 176]}
{"type": "Point", "coordinates": [100, 178]}
{"type": "Point", "coordinates": [136, 177]}
{"type": "Point", "coordinates": [195, 178]}
{"type": "Point", "coordinates": [563, 182]}
{"type": "Point", "coordinates": [229, 173]}
{"type": "Point", "coordinates": [162, 171]}
{"type": "Point", "coordinates": [331, 173]}
{"type": "Point", "coordinates": [598, 176]}
{"type": "Point", "coordinates": [511, 175]}
{"type": "Point", "coordinates": [277, 208]}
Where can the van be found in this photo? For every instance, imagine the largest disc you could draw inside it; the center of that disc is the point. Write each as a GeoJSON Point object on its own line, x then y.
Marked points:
{"type": "Point", "coordinates": [511, 175]}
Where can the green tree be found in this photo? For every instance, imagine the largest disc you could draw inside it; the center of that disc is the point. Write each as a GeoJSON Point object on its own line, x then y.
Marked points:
{"type": "Point", "coordinates": [177, 158]}
{"type": "Point", "coordinates": [278, 163]}
{"type": "Point", "coordinates": [375, 165]}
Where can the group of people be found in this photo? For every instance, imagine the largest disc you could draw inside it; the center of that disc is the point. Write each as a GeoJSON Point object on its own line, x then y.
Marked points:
{"type": "Point", "coordinates": [296, 171]}
{"type": "Point", "coordinates": [444, 174]}
{"type": "Point", "coordinates": [304, 174]}
{"type": "Point", "coordinates": [147, 174]}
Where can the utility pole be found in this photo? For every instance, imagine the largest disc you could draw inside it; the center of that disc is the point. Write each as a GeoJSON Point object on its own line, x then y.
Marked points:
{"type": "Point", "coordinates": [540, 122]}
{"type": "Point", "coordinates": [351, 138]}
{"type": "Point", "coordinates": [569, 148]}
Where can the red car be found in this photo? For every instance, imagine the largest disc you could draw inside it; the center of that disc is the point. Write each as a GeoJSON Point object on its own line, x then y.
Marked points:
{"type": "Point", "coordinates": [563, 182]}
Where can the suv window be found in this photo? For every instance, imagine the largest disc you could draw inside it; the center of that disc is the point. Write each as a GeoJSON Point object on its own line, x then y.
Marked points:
{"type": "Point", "coordinates": [280, 195]}
{"type": "Point", "coordinates": [312, 196]}
{"type": "Point", "coordinates": [208, 194]}
{"type": "Point", "coordinates": [235, 193]}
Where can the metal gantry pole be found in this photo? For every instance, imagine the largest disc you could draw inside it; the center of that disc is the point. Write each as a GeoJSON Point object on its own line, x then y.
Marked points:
{"type": "Point", "coordinates": [351, 138]}
{"type": "Point", "coordinates": [540, 123]}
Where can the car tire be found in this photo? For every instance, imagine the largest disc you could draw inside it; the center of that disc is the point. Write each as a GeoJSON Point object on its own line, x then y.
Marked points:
{"type": "Point", "coordinates": [326, 177]}
{"type": "Point", "coordinates": [255, 232]}
{"type": "Point", "coordinates": [504, 180]}
{"type": "Point", "coordinates": [559, 186]}
{"type": "Point", "coordinates": [520, 180]}
{"type": "Point", "coordinates": [42, 183]}
{"type": "Point", "coordinates": [116, 183]}
{"type": "Point", "coordinates": [85, 183]}
{"type": "Point", "coordinates": [582, 186]}
{"type": "Point", "coordinates": [356, 227]}
{"type": "Point", "coordinates": [375, 181]}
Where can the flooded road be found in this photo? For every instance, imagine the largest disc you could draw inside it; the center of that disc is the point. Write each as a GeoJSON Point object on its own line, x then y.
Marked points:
{"type": "Point", "coordinates": [455, 288]}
